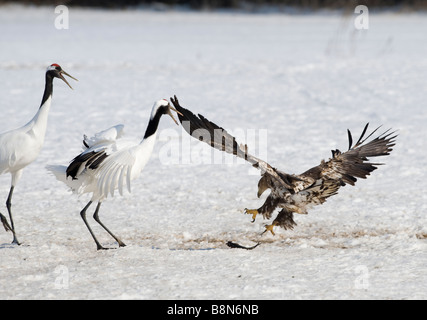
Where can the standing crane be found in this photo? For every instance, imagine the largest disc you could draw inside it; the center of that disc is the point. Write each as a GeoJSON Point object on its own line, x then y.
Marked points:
{"type": "Point", "coordinates": [20, 147]}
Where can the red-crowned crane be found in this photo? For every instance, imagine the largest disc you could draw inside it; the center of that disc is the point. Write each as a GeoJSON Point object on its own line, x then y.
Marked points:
{"type": "Point", "coordinates": [107, 164]}
{"type": "Point", "coordinates": [20, 147]}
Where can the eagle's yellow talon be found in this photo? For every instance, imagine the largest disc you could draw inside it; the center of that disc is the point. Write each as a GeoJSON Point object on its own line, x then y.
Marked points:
{"type": "Point", "coordinates": [269, 227]}
{"type": "Point", "coordinates": [253, 212]}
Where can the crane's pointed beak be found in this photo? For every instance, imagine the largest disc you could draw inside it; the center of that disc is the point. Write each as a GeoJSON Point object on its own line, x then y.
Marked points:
{"type": "Point", "coordinates": [62, 77]}
{"type": "Point", "coordinates": [171, 115]}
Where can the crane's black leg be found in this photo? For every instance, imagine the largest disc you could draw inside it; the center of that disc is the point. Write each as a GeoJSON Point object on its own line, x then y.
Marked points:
{"type": "Point", "coordinates": [9, 209]}
{"type": "Point", "coordinates": [83, 215]}
{"type": "Point", "coordinates": [96, 217]}
{"type": "Point", "coordinates": [6, 225]}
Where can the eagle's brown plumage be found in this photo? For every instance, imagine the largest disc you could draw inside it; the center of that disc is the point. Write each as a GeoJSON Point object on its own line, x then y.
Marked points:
{"type": "Point", "coordinates": [295, 193]}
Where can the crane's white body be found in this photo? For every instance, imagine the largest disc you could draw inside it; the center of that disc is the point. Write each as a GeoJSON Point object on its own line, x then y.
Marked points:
{"type": "Point", "coordinates": [124, 163]}
{"type": "Point", "coordinates": [20, 147]}
{"type": "Point", "coordinates": [108, 163]}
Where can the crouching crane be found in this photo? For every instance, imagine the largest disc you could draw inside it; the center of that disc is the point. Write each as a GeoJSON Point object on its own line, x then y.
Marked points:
{"type": "Point", "coordinates": [106, 165]}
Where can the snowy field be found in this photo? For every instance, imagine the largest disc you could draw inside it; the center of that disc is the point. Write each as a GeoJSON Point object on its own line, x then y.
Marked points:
{"type": "Point", "coordinates": [305, 78]}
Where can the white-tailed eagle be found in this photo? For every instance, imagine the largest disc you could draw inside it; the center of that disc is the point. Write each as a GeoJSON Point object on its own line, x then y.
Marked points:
{"type": "Point", "coordinates": [295, 192]}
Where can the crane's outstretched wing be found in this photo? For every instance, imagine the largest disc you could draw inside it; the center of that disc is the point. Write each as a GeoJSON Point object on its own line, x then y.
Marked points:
{"type": "Point", "coordinates": [112, 167]}
{"type": "Point", "coordinates": [95, 150]}
{"type": "Point", "coordinates": [346, 167]}
{"type": "Point", "coordinates": [103, 138]}
{"type": "Point", "coordinates": [104, 158]}
{"type": "Point", "coordinates": [115, 170]}
{"type": "Point", "coordinates": [205, 130]}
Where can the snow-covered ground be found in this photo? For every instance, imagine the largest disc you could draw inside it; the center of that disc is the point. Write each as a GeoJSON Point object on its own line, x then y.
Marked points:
{"type": "Point", "coordinates": [303, 78]}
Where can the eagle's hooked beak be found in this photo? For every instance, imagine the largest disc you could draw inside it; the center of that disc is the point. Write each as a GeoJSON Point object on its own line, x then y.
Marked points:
{"type": "Point", "coordinates": [171, 115]}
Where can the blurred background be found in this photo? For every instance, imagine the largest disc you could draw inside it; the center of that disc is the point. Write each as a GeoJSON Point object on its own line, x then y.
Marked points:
{"type": "Point", "coordinates": [237, 4]}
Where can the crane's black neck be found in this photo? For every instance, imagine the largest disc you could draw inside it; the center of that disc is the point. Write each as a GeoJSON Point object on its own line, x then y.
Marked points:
{"type": "Point", "coordinates": [48, 88]}
{"type": "Point", "coordinates": [153, 124]}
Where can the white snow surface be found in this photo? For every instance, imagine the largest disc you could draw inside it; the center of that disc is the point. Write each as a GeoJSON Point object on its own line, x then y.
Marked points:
{"type": "Point", "coordinates": [305, 78]}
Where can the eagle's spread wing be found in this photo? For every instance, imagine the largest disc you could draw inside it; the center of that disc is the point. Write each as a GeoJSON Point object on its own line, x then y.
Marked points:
{"type": "Point", "coordinates": [319, 183]}
{"type": "Point", "coordinates": [345, 168]}
{"type": "Point", "coordinates": [205, 130]}
{"type": "Point", "coordinates": [324, 180]}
